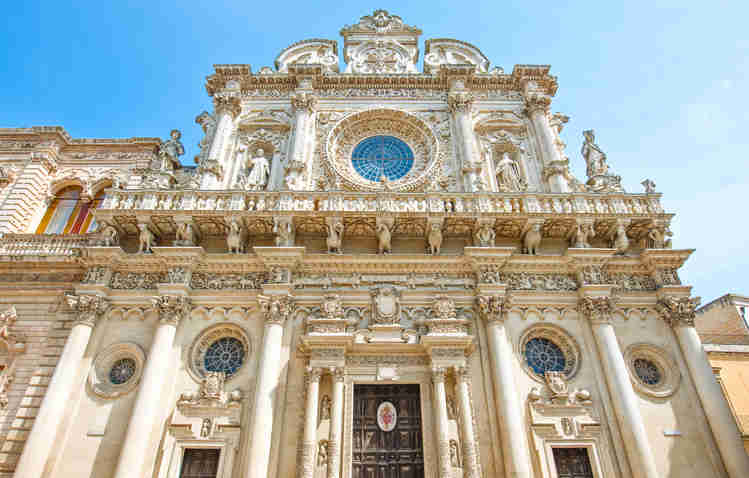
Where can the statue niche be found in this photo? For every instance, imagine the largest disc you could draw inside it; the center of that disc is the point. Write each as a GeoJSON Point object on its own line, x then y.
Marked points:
{"type": "Point", "coordinates": [255, 167]}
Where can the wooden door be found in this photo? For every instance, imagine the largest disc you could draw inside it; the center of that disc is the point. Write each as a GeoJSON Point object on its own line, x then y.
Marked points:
{"type": "Point", "coordinates": [387, 454]}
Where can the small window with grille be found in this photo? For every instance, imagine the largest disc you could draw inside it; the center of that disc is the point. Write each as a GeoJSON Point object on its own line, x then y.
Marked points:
{"type": "Point", "coordinates": [200, 463]}
{"type": "Point", "coordinates": [572, 463]}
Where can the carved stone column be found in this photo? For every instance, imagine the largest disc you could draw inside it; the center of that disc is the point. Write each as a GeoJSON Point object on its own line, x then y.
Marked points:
{"type": "Point", "coordinates": [440, 414]}
{"type": "Point", "coordinates": [460, 102]}
{"type": "Point", "coordinates": [336, 424]}
{"type": "Point", "coordinates": [598, 311]}
{"type": "Point", "coordinates": [276, 310]}
{"type": "Point", "coordinates": [468, 439]}
{"type": "Point", "coordinates": [303, 103]}
{"type": "Point", "coordinates": [537, 110]}
{"type": "Point", "coordinates": [309, 440]}
{"type": "Point", "coordinates": [41, 441]}
{"type": "Point", "coordinates": [679, 313]}
{"type": "Point", "coordinates": [515, 450]}
{"type": "Point", "coordinates": [227, 109]}
{"type": "Point", "coordinates": [143, 429]}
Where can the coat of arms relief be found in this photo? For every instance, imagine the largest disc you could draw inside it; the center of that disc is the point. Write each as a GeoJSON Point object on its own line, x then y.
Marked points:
{"type": "Point", "coordinates": [386, 309]}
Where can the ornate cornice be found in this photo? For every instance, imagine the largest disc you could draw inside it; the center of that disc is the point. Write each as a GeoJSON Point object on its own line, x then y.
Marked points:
{"type": "Point", "coordinates": [276, 308]}
{"type": "Point", "coordinates": [678, 311]}
{"type": "Point", "coordinates": [171, 308]}
{"type": "Point", "coordinates": [88, 308]}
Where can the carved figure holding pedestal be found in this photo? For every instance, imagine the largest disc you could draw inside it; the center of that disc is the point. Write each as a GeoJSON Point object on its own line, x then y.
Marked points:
{"type": "Point", "coordinates": [383, 237]}
{"type": "Point", "coordinates": [146, 239]}
{"type": "Point", "coordinates": [509, 178]}
{"type": "Point", "coordinates": [581, 236]}
{"type": "Point", "coordinates": [621, 241]}
{"type": "Point", "coordinates": [170, 151]}
{"type": "Point", "coordinates": [435, 239]}
{"type": "Point", "coordinates": [235, 239]}
{"type": "Point", "coordinates": [657, 238]}
{"type": "Point", "coordinates": [335, 237]}
{"type": "Point", "coordinates": [532, 239]}
{"type": "Point", "coordinates": [484, 236]}
{"type": "Point", "coordinates": [284, 230]}
{"type": "Point", "coordinates": [186, 235]}
{"type": "Point", "coordinates": [259, 172]}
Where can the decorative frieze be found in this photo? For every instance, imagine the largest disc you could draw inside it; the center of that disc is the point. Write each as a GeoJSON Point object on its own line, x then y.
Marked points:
{"type": "Point", "coordinates": [678, 311]}
{"type": "Point", "coordinates": [214, 281]}
{"type": "Point", "coordinates": [171, 308]}
{"type": "Point", "coordinates": [597, 309]}
{"type": "Point", "coordinates": [137, 280]}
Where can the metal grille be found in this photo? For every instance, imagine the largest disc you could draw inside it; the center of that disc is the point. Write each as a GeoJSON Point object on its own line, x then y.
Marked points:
{"type": "Point", "coordinates": [572, 463]}
{"type": "Point", "coordinates": [200, 463]}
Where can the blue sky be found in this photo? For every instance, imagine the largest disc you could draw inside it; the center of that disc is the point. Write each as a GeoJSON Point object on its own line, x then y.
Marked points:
{"type": "Point", "coordinates": [664, 84]}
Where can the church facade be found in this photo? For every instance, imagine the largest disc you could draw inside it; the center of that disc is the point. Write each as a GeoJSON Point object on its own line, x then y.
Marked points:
{"type": "Point", "coordinates": [373, 270]}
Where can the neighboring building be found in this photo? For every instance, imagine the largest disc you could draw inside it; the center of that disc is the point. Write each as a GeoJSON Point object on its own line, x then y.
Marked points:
{"type": "Point", "coordinates": [379, 272]}
{"type": "Point", "coordinates": [723, 325]}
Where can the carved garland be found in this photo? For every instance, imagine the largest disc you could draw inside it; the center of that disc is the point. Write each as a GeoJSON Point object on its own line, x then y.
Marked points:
{"type": "Point", "coordinates": [561, 339]}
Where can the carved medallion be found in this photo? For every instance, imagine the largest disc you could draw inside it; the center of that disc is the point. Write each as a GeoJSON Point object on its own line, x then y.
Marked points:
{"type": "Point", "coordinates": [387, 417]}
{"type": "Point", "coordinates": [386, 301]}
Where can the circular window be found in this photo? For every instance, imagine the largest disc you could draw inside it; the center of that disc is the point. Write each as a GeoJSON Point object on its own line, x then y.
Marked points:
{"type": "Point", "coordinates": [224, 355]}
{"type": "Point", "coordinates": [117, 370]}
{"type": "Point", "coordinates": [652, 370]}
{"type": "Point", "coordinates": [379, 157]}
{"type": "Point", "coordinates": [543, 356]}
{"type": "Point", "coordinates": [122, 371]}
{"type": "Point", "coordinates": [548, 348]}
{"type": "Point", "coordinates": [222, 348]}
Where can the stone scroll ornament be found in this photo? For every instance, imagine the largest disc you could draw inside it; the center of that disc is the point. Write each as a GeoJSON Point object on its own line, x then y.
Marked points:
{"type": "Point", "coordinates": [387, 416]}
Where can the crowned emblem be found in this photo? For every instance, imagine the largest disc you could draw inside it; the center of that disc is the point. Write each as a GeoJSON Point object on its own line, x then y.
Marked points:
{"type": "Point", "coordinates": [386, 305]}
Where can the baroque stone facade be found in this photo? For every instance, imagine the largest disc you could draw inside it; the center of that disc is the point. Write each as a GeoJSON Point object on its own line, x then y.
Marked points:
{"type": "Point", "coordinates": [374, 245]}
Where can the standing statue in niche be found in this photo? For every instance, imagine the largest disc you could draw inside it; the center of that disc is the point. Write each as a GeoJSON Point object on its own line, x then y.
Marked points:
{"type": "Point", "coordinates": [508, 175]}
{"type": "Point", "coordinates": [170, 151]}
{"type": "Point", "coordinates": [259, 172]}
{"type": "Point", "coordinates": [595, 158]}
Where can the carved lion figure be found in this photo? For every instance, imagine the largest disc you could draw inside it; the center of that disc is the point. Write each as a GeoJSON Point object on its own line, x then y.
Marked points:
{"type": "Point", "coordinates": [532, 239]}
{"type": "Point", "coordinates": [435, 239]}
{"type": "Point", "coordinates": [234, 238]}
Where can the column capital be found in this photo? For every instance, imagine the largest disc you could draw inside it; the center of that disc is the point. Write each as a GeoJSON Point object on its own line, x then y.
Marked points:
{"type": "Point", "coordinates": [463, 374]}
{"type": "Point", "coordinates": [536, 103]}
{"type": "Point", "coordinates": [338, 374]}
{"type": "Point", "coordinates": [171, 308]}
{"type": "Point", "coordinates": [276, 308]}
{"type": "Point", "coordinates": [492, 308]}
{"type": "Point", "coordinates": [303, 101]}
{"type": "Point", "coordinates": [678, 311]}
{"type": "Point", "coordinates": [597, 309]}
{"type": "Point", "coordinates": [313, 375]}
{"type": "Point", "coordinates": [460, 101]}
{"type": "Point", "coordinates": [227, 104]}
{"type": "Point", "coordinates": [438, 375]}
{"type": "Point", "coordinates": [89, 308]}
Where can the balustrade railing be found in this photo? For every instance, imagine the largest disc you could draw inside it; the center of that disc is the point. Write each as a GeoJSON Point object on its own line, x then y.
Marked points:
{"type": "Point", "coordinates": [42, 244]}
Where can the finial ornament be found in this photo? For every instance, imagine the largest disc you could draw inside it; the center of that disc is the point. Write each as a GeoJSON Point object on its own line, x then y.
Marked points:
{"type": "Point", "coordinates": [89, 308]}
{"type": "Point", "coordinates": [679, 311]}
{"type": "Point", "coordinates": [597, 309]}
{"type": "Point", "coordinates": [171, 308]}
{"type": "Point", "coordinates": [276, 308]}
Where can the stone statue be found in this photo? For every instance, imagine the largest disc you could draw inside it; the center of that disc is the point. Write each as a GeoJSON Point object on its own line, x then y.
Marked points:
{"type": "Point", "coordinates": [657, 238]}
{"type": "Point", "coordinates": [146, 239]}
{"type": "Point", "coordinates": [581, 236]}
{"type": "Point", "coordinates": [259, 172]}
{"type": "Point", "coordinates": [649, 186]}
{"type": "Point", "coordinates": [325, 408]}
{"type": "Point", "coordinates": [484, 236]}
{"type": "Point", "coordinates": [335, 237]}
{"type": "Point", "coordinates": [621, 242]}
{"type": "Point", "coordinates": [186, 235]}
{"type": "Point", "coordinates": [450, 407]}
{"type": "Point", "coordinates": [435, 239]}
{"type": "Point", "coordinates": [170, 151]}
{"type": "Point", "coordinates": [595, 158]}
{"type": "Point", "coordinates": [284, 231]}
{"type": "Point", "coordinates": [205, 429]}
{"type": "Point", "coordinates": [235, 240]}
{"type": "Point", "coordinates": [508, 175]}
{"type": "Point", "coordinates": [383, 237]}
{"type": "Point", "coordinates": [322, 453]}
{"type": "Point", "coordinates": [532, 239]}
{"type": "Point", "coordinates": [208, 123]}
{"type": "Point", "coordinates": [454, 454]}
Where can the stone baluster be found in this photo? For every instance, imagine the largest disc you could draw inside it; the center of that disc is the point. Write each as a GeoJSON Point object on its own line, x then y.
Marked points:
{"type": "Point", "coordinates": [309, 440]}
{"type": "Point", "coordinates": [679, 313]}
{"type": "Point", "coordinates": [227, 109]}
{"type": "Point", "coordinates": [303, 103]}
{"type": "Point", "coordinates": [440, 415]}
{"type": "Point", "coordinates": [460, 102]}
{"type": "Point", "coordinates": [276, 309]}
{"type": "Point", "coordinates": [144, 427]}
{"type": "Point", "coordinates": [468, 439]}
{"type": "Point", "coordinates": [515, 451]}
{"type": "Point", "coordinates": [336, 424]}
{"type": "Point", "coordinates": [37, 452]}
{"type": "Point", "coordinates": [598, 311]}
{"type": "Point", "coordinates": [555, 166]}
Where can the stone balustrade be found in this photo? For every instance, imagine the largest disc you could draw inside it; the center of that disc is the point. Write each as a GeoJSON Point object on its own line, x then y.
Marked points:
{"type": "Point", "coordinates": [42, 244]}
{"type": "Point", "coordinates": [119, 202]}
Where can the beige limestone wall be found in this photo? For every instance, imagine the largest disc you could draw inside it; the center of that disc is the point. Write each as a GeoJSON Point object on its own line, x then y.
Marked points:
{"type": "Point", "coordinates": [734, 378]}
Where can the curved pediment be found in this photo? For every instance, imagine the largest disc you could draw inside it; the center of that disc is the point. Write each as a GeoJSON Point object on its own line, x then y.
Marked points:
{"type": "Point", "coordinates": [446, 51]}
{"type": "Point", "coordinates": [309, 52]}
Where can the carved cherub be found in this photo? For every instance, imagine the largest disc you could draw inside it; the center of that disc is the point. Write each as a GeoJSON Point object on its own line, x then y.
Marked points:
{"type": "Point", "coordinates": [581, 236]}
{"type": "Point", "coordinates": [484, 236]}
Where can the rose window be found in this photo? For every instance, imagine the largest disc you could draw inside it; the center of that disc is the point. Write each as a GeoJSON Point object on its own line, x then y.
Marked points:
{"type": "Point", "coordinates": [647, 371]}
{"type": "Point", "coordinates": [379, 157]}
{"type": "Point", "coordinates": [224, 355]}
{"type": "Point", "coordinates": [122, 371]}
{"type": "Point", "coordinates": [543, 355]}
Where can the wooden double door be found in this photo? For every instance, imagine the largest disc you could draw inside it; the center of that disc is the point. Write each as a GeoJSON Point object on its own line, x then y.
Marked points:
{"type": "Point", "coordinates": [387, 454]}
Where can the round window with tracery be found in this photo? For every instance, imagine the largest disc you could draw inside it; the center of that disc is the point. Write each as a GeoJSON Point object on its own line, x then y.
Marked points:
{"type": "Point", "coordinates": [647, 371]}
{"type": "Point", "coordinates": [652, 370]}
{"type": "Point", "coordinates": [122, 371]}
{"type": "Point", "coordinates": [224, 355]}
{"type": "Point", "coordinates": [379, 157]}
{"type": "Point", "coordinates": [222, 348]}
{"type": "Point", "coordinates": [543, 356]}
{"type": "Point", "coordinates": [548, 348]}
